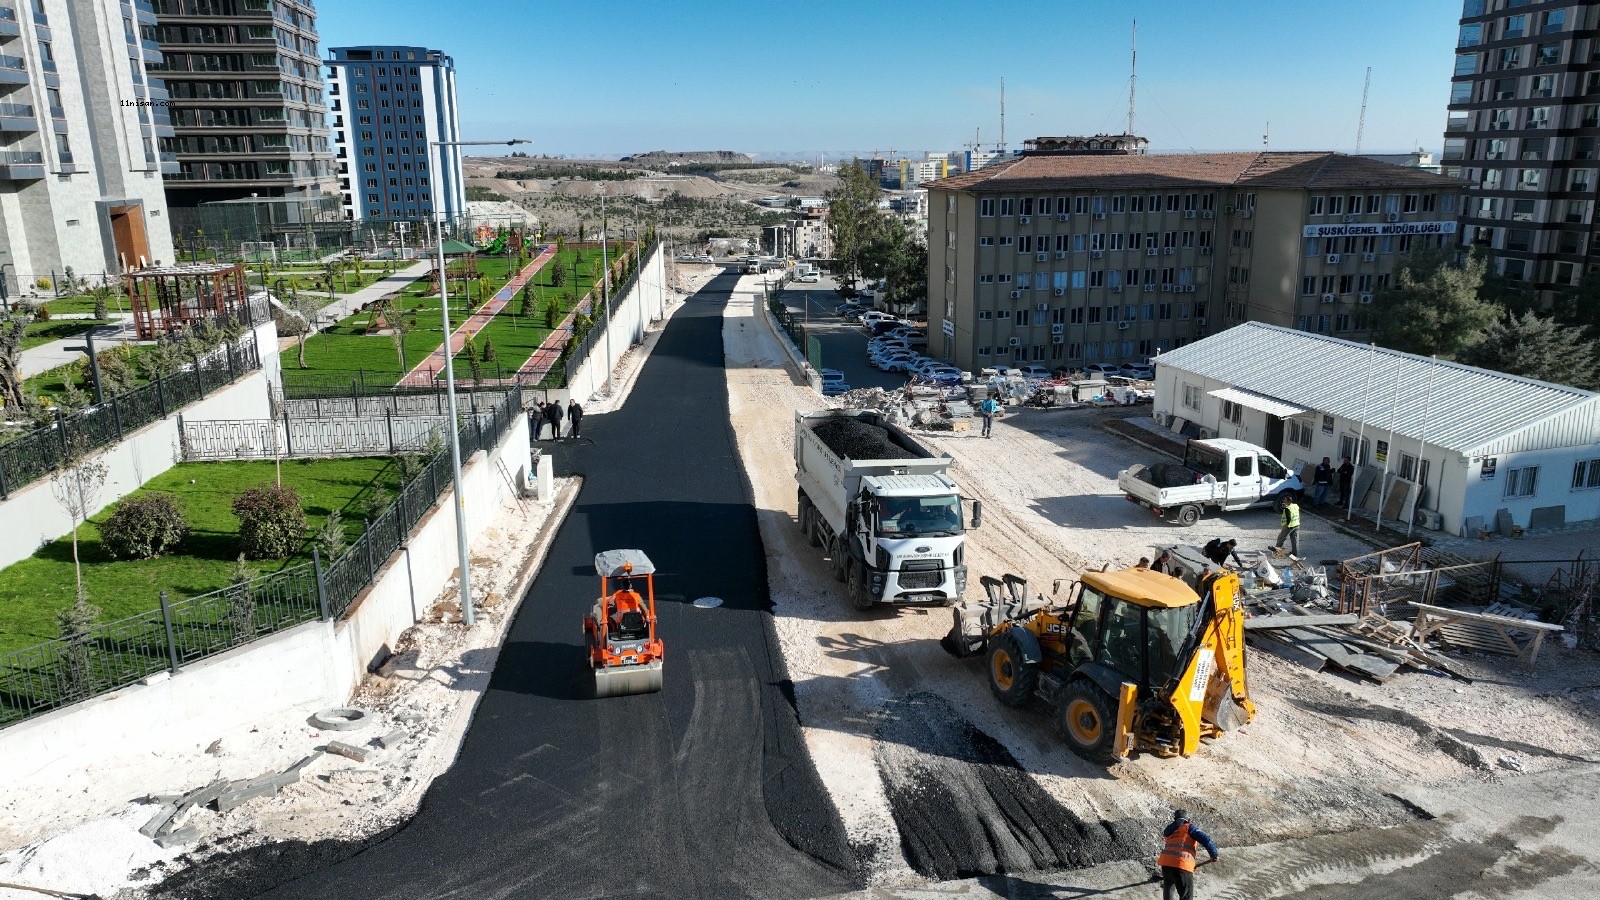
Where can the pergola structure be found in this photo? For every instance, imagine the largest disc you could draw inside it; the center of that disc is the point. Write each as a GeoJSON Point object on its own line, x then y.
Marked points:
{"type": "Point", "coordinates": [461, 265]}
{"type": "Point", "coordinates": [165, 299]}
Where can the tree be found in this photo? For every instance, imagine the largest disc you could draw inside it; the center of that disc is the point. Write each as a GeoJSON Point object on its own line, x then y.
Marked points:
{"type": "Point", "coordinates": [305, 310]}
{"type": "Point", "coordinates": [1541, 348]}
{"type": "Point", "coordinates": [1433, 306]}
{"type": "Point", "coordinates": [73, 624]}
{"type": "Point", "coordinates": [76, 486]}
{"type": "Point", "coordinates": [101, 294]}
{"type": "Point", "coordinates": [13, 326]}
{"type": "Point", "coordinates": [550, 314]}
{"type": "Point", "coordinates": [558, 273]}
{"type": "Point", "coordinates": [853, 219]}
{"type": "Point", "coordinates": [1581, 306]}
{"type": "Point", "coordinates": [398, 326]}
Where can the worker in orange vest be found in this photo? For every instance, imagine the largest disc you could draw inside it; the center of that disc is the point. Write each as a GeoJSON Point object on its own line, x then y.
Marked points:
{"type": "Point", "coordinates": [1181, 839]}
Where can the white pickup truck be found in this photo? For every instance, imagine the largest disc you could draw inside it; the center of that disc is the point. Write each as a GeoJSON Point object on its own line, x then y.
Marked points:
{"type": "Point", "coordinates": [1218, 474]}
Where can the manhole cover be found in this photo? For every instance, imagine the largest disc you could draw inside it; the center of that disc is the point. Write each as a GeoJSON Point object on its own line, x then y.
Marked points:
{"type": "Point", "coordinates": [708, 602]}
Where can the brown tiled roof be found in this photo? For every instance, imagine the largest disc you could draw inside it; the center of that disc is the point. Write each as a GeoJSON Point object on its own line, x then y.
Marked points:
{"type": "Point", "coordinates": [1111, 172]}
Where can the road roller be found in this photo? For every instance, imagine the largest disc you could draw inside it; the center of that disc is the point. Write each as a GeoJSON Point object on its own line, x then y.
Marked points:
{"type": "Point", "coordinates": [620, 631]}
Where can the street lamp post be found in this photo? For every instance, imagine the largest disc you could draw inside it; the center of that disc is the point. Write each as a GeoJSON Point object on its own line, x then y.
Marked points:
{"type": "Point", "coordinates": [468, 617]}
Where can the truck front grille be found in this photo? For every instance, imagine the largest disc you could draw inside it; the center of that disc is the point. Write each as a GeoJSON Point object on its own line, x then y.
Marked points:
{"type": "Point", "coordinates": [921, 580]}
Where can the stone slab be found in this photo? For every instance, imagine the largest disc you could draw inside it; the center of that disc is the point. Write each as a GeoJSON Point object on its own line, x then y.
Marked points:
{"type": "Point", "coordinates": [339, 748]}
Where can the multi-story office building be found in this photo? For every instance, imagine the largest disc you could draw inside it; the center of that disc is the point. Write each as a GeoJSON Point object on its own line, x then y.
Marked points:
{"type": "Point", "coordinates": [389, 105]}
{"type": "Point", "coordinates": [933, 168]}
{"type": "Point", "coordinates": [245, 83]}
{"type": "Point", "coordinates": [1067, 257]}
{"type": "Point", "coordinates": [1523, 124]}
{"type": "Point", "coordinates": [80, 177]}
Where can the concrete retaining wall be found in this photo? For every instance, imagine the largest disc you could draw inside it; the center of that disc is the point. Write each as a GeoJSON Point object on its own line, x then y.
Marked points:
{"type": "Point", "coordinates": [797, 359]}
{"type": "Point", "coordinates": [317, 664]}
{"type": "Point", "coordinates": [33, 516]}
{"type": "Point", "coordinates": [630, 313]}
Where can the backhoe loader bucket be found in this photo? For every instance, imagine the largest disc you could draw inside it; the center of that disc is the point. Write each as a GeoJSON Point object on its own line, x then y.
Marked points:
{"type": "Point", "coordinates": [620, 681]}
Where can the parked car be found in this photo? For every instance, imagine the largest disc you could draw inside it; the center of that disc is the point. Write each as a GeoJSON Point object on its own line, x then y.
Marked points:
{"type": "Point", "coordinates": [1134, 370]}
{"type": "Point", "coordinates": [832, 375]}
{"type": "Point", "coordinates": [834, 388]}
{"type": "Point", "coordinates": [808, 278]}
{"type": "Point", "coordinates": [1100, 370]}
{"type": "Point", "coordinates": [1034, 372]}
{"type": "Point", "coordinates": [947, 375]}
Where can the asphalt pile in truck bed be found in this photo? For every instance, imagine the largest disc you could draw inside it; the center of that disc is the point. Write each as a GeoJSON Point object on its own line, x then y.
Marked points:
{"type": "Point", "coordinates": [858, 440]}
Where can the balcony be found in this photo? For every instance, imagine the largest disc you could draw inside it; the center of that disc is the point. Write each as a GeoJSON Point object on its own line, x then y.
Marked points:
{"type": "Point", "coordinates": [21, 165]}
{"type": "Point", "coordinates": [17, 117]}
{"type": "Point", "coordinates": [13, 70]}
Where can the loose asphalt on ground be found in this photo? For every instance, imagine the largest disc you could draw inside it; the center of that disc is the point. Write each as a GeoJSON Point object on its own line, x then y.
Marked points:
{"type": "Point", "coordinates": [702, 790]}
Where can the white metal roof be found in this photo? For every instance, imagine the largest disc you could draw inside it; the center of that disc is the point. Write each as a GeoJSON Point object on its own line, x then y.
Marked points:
{"type": "Point", "coordinates": [912, 485]}
{"type": "Point", "coordinates": [1272, 406]}
{"type": "Point", "coordinates": [1469, 410]}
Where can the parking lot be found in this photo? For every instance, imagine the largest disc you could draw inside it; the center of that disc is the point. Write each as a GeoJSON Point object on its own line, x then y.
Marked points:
{"type": "Point", "coordinates": [844, 344]}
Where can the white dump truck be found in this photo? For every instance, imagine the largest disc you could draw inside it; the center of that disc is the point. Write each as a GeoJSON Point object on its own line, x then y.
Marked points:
{"type": "Point", "coordinates": [1218, 473]}
{"type": "Point", "coordinates": [882, 507]}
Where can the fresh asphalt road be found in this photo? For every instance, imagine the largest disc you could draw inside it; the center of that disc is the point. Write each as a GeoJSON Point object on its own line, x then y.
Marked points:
{"type": "Point", "coordinates": [702, 790]}
{"type": "Point", "coordinates": [844, 344]}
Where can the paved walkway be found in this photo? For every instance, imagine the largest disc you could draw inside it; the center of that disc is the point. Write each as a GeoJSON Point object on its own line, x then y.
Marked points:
{"type": "Point", "coordinates": [424, 372]}
{"type": "Point", "coordinates": [45, 357]}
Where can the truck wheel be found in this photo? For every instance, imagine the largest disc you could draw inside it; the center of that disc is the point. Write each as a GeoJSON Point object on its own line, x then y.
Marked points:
{"type": "Point", "coordinates": [1188, 515]}
{"type": "Point", "coordinates": [1087, 720]}
{"type": "Point", "coordinates": [803, 517]}
{"type": "Point", "coordinates": [1011, 677]}
{"type": "Point", "coordinates": [860, 597]}
{"type": "Point", "coordinates": [841, 559]}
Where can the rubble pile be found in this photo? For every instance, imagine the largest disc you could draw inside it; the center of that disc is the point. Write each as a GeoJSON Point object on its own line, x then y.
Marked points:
{"type": "Point", "coordinates": [857, 440]}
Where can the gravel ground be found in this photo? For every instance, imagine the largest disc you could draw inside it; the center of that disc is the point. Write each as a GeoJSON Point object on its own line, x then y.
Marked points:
{"type": "Point", "coordinates": [1325, 755]}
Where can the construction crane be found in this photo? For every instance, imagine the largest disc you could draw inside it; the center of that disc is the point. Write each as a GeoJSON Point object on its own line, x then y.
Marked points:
{"type": "Point", "coordinates": [1361, 122]}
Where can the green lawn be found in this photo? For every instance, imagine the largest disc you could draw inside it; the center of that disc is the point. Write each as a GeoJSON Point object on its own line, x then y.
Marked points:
{"type": "Point", "coordinates": [31, 591]}
{"type": "Point", "coordinates": [344, 349]}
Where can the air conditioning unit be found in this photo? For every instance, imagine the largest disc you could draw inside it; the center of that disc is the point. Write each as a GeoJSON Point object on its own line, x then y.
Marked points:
{"type": "Point", "coordinates": [1188, 289]}
{"type": "Point", "coordinates": [1369, 257]}
{"type": "Point", "coordinates": [1349, 219]}
{"type": "Point", "coordinates": [1248, 212]}
{"type": "Point", "coordinates": [1333, 257]}
{"type": "Point", "coordinates": [1200, 321]}
{"type": "Point", "coordinates": [1207, 434]}
{"type": "Point", "coordinates": [1366, 298]}
{"type": "Point", "coordinates": [1044, 307]}
{"type": "Point", "coordinates": [1024, 220]}
{"type": "Point", "coordinates": [1188, 214]}
{"type": "Point", "coordinates": [1058, 339]}
{"type": "Point", "coordinates": [1059, 292]}
{"type": "Point", "coordinates": [1016, 295]}
{"type": "Point", "coordinates": [1207, 214]}
{"type": "Point", "coordinates": [1153, 251]}
{"type": "Point", "coordinates": [1205, 251]}
{"type": "Point", "coordinates": [1166, 289]}
{"type": "Point", "coordinates": [1061, 254]}
{"type": "Point", "coordinates": [1116, 289]}
{"type": "Point", "coordinates": [1391, 217]}
{"type": "Point", "coordinates": [1096, 254]}
{"type": "Point", "coordinates": [1429, 519]}
{"type": "Point", "coordinates": [1014, 342]}
{"type": "Point", "coordinates": [1064, 217]}
{"type": "Point", "coordinates": [1328, 298]}
{"type": "Point", "coordinates": [1162, 418]}
{"type": "Point", "coordinates": [1058, 329]}
{"type": "Point", "coordinates": [1099, 215]}
{"type": "Point", "coordinates": [1169, 250]}
{"type": "Point", "coordinates": [1122, 326]}
{"type": "Point", "coordinates": [1041, 257]}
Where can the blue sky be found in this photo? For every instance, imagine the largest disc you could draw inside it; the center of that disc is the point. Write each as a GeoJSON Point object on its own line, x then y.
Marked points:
{"type": "Point", "coordinates": [629, 75]}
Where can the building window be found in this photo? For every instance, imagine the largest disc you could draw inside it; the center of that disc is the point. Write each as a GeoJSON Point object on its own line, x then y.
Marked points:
{"type": "Point", "coordinates": [1232, 412]}
{"type": "Point", "coordinates": [1300, 432]}
{"type": "Point", "coordinates": [1191, 396]}
{"type": "Point", "coordinates": [986, 207]}
{"type": "Point", "coordinates": [1586, 474]}
{"type": "Point", "coordinates": [1523, 482]}
{"type": "Point", "coordinates": [1005, 206]}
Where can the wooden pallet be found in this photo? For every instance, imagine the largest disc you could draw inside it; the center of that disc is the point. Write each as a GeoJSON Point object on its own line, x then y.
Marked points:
{"type": "Point", "coordinates": [1484, 631]}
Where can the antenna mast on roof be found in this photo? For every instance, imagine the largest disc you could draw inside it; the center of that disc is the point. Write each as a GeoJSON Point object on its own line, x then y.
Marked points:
{"type": "Point", "coordinates": [1361, 123]}
{"type": "Point", "coordinates": [1266, 136]}
{"type": "Point", "coordinates": [1002, 145]}
{"type": "Point", "coordinates": [1133, 72]}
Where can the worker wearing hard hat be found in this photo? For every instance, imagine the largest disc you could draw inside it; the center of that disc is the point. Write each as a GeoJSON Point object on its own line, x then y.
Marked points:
{"type": "Point", "coordinates": [1180, 841]}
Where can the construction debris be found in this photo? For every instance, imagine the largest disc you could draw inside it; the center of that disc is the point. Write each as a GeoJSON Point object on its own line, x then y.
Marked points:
{"type": "Point", "coordinates": [348, 751]}
{"type": "Point", "coordinates": [858, 440]}
{"type": "Point", "coordinates": [392, 739]}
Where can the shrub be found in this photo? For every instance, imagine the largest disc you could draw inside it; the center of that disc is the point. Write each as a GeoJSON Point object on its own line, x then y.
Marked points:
{"type": "Point", "coordinates": [271, 523]}
{"type": "Point", "coordinates": [42, 314]}
{"type": "Point", "coordinates": [144, 526]}
{"type": "Point", "coordinates": [330, 537]}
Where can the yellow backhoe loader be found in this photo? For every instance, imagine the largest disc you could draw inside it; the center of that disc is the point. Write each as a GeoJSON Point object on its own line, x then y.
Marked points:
{"type": "Point", "coordinates": [1133, 661]}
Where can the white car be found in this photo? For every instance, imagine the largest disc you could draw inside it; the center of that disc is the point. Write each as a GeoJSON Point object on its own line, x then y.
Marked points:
{"type": "Point", "coordinates": [832, 375]}
{"type": "Point", "coordinates": [1100, 370]}
{"type": "Point", "coordinates": [808, 278]}
{"type": "Point", "coordinates": [1034, 372]}
{"type": "Point", "coordinates": [1142, 373]}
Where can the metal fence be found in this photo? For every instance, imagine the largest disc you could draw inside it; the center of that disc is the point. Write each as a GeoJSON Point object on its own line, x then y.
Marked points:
{"type": "Point", "coordinates": [34, 455]}
{"type": "Point", "coordinates": [597, 330]}
{"type": "Point", "coordinates": [112, 655]}
{"type": "Point", "coordinates": [430, 402]}
{"type": "Point", "coordinates": [289, 436]}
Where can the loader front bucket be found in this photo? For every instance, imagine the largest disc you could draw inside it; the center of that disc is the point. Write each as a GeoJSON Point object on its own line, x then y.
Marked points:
{"type": "Point", "coordinates": [966, 637]}
{"type": "Point", "coordinates": [620, 681]}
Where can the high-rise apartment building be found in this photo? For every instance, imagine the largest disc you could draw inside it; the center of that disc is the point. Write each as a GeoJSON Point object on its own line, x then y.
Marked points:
{"type": "Point", "coordinates": [1523, 126]}
{"type": "Point", "coordinates": [245, 83]}
{"type": "Point", "coordinates": [80, 175]}
{"type": "Point", "coordinates": [1088, 250]}
{"type": "Point", "coordinates": [390, 107]}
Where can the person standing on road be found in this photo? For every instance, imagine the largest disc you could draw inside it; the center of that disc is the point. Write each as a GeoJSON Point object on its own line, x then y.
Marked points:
{"type": "Point", "coordinates": [554, 412]}
{"type": "Point", "coordinates": [987, 409]}
{"type": "Point", "coordinates": [1322, 482]}
{"type": "Point", "coordinates": [1289, 534]}
{"type": "Point", "coordinates": [574, 418]}
{"type": "Point", "coordinates": [1180, 840]}
{"type": "Point", "coordinates": [1347, 477]}
{"type": "Point", "coordinates": [536, 419]}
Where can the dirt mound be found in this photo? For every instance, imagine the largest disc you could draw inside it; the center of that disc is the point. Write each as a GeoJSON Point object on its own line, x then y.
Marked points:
{"type": "Point", "coordinates": [965, 807]}
{"type": "Point", "coordinates": [857, 440]}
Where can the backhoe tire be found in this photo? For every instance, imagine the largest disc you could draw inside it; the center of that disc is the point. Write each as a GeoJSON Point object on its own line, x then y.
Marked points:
{"type": "Point", "coordinates": [860, 596]}
{"type": "Point", "coordinates": [1188, 514]}
{"type": "Point", "coordinates": [1011, 677]}
{"type": "Point", "coordinates": [1087, 720]}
